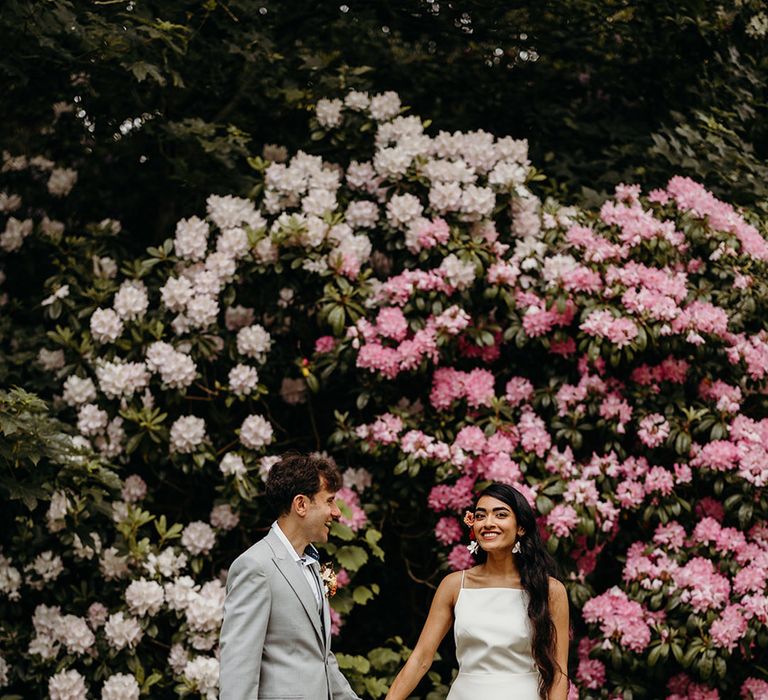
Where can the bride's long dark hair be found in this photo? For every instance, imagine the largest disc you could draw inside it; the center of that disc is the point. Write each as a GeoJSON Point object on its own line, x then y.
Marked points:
{"type": "Point", "coordinates": [535, 567]}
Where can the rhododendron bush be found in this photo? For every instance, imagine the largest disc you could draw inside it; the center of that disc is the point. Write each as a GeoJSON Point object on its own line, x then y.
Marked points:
{"type": "Point", "coordinates": [409, 304]}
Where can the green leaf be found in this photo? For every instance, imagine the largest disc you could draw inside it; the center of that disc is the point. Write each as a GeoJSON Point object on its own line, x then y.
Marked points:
{"type": "Point", "coordinates": [351, 557]}
{"type": "Point", "coordinates": [362, 594]}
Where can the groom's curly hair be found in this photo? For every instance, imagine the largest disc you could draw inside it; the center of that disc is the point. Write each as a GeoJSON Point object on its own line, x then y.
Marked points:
{"type": "Point", "coordinates": [297, 474]}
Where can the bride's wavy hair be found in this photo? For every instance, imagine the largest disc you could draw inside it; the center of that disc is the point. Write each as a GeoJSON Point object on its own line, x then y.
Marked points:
{"type": "Point", "coordinates": [535, 566]}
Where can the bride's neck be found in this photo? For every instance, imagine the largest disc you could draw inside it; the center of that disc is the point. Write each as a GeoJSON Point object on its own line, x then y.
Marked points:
{"type": "Point", "coordinates": [501, 564]}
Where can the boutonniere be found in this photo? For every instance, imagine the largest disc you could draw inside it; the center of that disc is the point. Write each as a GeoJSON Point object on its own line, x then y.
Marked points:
{"type": "Point", "coordinates": [328, 577]}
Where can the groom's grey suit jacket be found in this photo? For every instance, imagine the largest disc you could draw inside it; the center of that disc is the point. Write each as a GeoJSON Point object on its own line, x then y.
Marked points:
{"type": "Point", "coordinates": [272, 640]}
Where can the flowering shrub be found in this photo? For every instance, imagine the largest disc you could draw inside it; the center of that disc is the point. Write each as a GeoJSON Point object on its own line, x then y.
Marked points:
{"type": "Point", "coordinates": [609, 364]}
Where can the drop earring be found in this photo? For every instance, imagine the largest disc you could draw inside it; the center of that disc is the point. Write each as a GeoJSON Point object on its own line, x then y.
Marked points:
{"type": "Point", "coordinates": [516, 548]}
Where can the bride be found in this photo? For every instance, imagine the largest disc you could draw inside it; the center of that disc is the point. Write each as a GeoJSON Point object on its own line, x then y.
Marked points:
{"type": "Point", "coordinates": [510, 617]}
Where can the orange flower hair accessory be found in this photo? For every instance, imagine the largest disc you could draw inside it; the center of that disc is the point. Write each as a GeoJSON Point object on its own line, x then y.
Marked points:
{"type": "Point", "coordinates": [469, 521]}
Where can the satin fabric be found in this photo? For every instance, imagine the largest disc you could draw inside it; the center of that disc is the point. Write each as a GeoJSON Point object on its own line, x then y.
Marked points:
{"type": "Point", "coordinates": [493, 646]}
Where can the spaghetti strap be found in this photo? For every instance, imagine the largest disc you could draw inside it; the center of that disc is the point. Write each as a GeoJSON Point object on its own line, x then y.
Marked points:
{"type": "Point", "coordinates": [462, 578]}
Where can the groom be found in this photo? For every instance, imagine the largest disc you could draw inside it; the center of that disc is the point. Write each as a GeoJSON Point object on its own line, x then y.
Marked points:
{"type": "Point", "coordinates": [276, 635]}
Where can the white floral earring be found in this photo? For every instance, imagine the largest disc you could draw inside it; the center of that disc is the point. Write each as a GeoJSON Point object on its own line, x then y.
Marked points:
{"type": "Point", "coordinates": [516, 548]}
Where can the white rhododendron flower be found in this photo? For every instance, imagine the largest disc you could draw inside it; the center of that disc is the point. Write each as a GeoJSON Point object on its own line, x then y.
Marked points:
{"type": "Point", "coordinates": [61, 293]}
{"type": "Point", "coordinates": [168, 563]}
{"type": "Point", "coordinates": [78, 390]}
{"type": "Point", "coordinates": [91, 420]}
{"type": "Point", "coordinates": [134, 489]}
{"type": "Point", "coordinates": [231, 212]}
{"type": "Point", "coordinates": [385, 105]}
{"type": "Point", "coordinates": [9, 202]}
{"type": "Point", "coordinates": [75, 634]}
{"type": "Point", "coordinates": [180, 592]}
{"type": "Point", "coordinates": [178, 658]}
{"type": "Point", "coordinates": [402, 209]}
{"type": "Point", "coordinates": [328, 112]}
{"type": "Point", "coordinates": [61, 181]}
{"type": "Point", "coordinates": [86, 551]}
{"type": "Point", "coordinates": [176, 293]}
{"type": "Point", "coordinates": [232, 465]}
{"type": "Point", "coordinates": [223, 517]}
{"type": "Point", "coordinates": [106, 325]}
{"type": "Point", "coordinates": [121, 379]}
{"type": "Point", "coordinates": [256, 432]}
{"type": "Point", "coordinates": [122, 631]}
{"type": "Point", "coordinates": [120, 686]}
{"type": "Point", "coordinates": [203, 672]}
{"type": "Point", "coordinates": [243, 379]}
{"type": "Point", "coordinates": [131, 301]}
{"type": "Point", "coordinates": [103, 267]}
{"type": "Point", "coordinates": [67, 685]}
{"type": "Point", "coordinates": [187, 433]}
{"type": "Point", "coordinates": [57, 510]}
{"type": "Point", "coordinates": [10, 579]}
{"type": "Point", "coordinates": [198, 538]}
{"type": "Point", "coordinates": [202, 311]}
{"type": "Point", "coordinates": [357, 101]}
{"type": "Point", "coordinates": [144, 597]}
{"type": "Point", "coordinates": [50, 360]}
{"type": "Point", "coordinates": [191, 242]}
{"type": "Point", "coordinates": [52, 229]}
{"type": "Point", "coordinates": [113, 565]}
{"type": "Point", "coordinates": [177, 369]}
{"type": "Point", "coordinates": [459, 274]}
{"type": "Point", "coordinates": [47, 565]}
{"type": "Point", "coordinates": [237, 317]}
{"type": "Point", "coordinates": [254, 341]}
{"type": "Point", "coordinates": [4, 672]}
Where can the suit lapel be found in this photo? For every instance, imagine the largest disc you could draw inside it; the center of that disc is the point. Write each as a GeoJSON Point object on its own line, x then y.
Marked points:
{"type": "Point", "coordinates": [296, 580]}
{"type": "Point", "coordinates": [327, 621]}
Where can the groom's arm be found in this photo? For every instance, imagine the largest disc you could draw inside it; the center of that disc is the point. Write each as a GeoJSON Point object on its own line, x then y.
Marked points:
{"type": "Point", "coordinates": [246, 614]}
{"type": "Point", "coordinates": [340, 688]}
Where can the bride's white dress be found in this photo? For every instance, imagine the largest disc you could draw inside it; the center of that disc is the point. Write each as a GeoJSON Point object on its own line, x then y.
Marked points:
{"type": "Point", "coordinates": [493, 646]}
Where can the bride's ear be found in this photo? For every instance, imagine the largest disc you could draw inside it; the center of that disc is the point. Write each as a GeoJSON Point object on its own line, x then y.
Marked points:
{"type": "Point", "coordinates": [520, 531]}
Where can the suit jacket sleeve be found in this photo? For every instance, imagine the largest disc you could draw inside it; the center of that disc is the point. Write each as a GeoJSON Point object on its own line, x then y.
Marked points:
{"type": "Point", "coordinates": [340, 688]}
{"type": "Point", "coordinates": [246, 614]}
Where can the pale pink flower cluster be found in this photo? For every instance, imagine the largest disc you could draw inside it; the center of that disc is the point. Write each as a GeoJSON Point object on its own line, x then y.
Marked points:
{"type": "Point", "coordinates": [350, 501]}
{"type": "Point", "coordinates": [681, 687]}
{"type": "Point", "coordinates": [745, 452]}
{"type": "Point", "coordinates": [619, 618]}
{"type": "Point", "coordinates": [449, 385]}
{"type": "Point", "coordinates": [693, 197]}
{"type": "Point", "coordinates": [374, 341]}
{"type": "Point", "coordinates": [653, 430]}
{"type": "Point", "coordinates": [726, 398]}
{"type": "Point", "coordinates": [620, 331]}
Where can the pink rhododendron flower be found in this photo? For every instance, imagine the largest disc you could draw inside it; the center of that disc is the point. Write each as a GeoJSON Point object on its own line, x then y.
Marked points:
{"type": "Point", "coordinates": [459, 558]}
{"type": "Point", "coordinates": [324, 344]}
{"type": "Point", "coordinates": [448, 531]}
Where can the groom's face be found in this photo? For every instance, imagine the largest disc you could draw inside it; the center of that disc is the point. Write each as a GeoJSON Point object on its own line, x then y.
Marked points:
{"type": "Point", "coordinates": [321, 512]}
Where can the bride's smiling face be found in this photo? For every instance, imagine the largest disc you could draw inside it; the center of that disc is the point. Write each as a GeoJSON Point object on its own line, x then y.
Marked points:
{"type": "Point", "coordinates": [495, 524]}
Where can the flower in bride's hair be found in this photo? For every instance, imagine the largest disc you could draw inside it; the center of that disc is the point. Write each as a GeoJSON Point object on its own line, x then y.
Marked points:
{"type": "Point", "coordinates": [469, 518]}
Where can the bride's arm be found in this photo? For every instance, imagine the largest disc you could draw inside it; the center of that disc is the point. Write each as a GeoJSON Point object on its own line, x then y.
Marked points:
{"type": "Point", "coordinates": [438, 623]}
{"type": "Point", "coordinates": [558, 605]}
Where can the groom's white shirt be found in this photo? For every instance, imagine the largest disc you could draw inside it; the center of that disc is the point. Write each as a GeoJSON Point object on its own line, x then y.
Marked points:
{"type": "Point", "coordinates": [274, 642]}
{"type": "Point", "coordinates": [303, 562]}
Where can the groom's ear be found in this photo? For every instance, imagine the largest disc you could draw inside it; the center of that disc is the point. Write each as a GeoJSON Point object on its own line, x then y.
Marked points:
{"type": "Point", "coordinates": [299, 504]}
